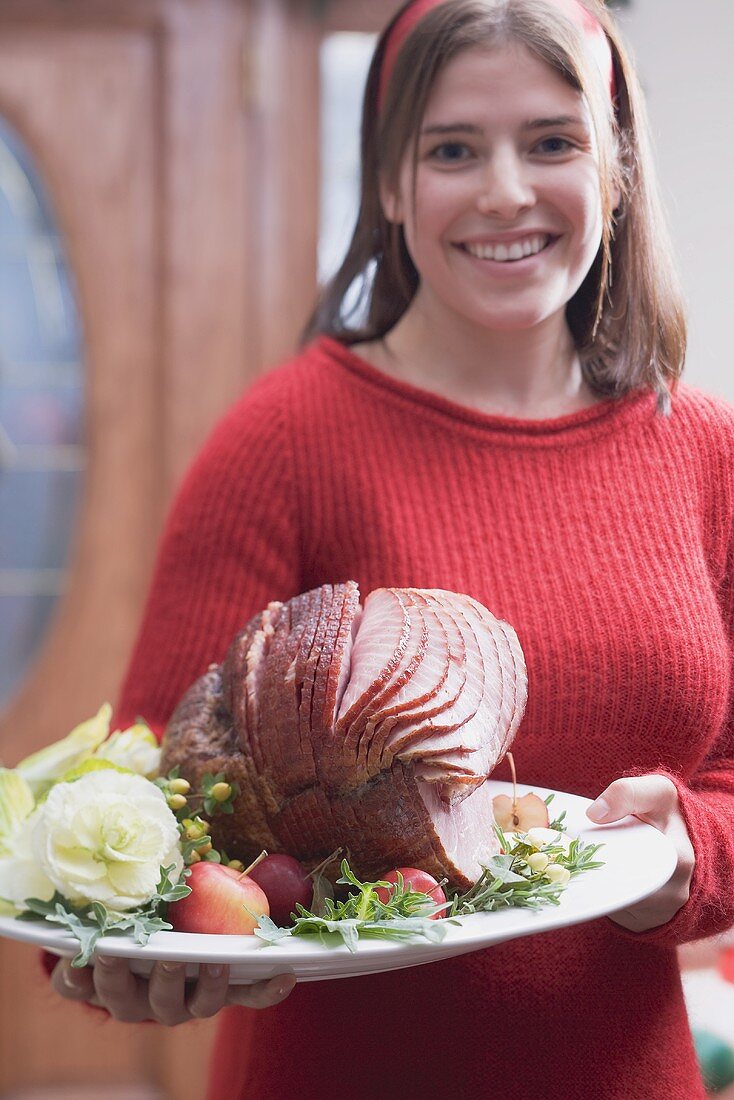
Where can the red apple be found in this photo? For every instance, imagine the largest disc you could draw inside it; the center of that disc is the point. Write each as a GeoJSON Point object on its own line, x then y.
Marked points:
{"type": "Point", "coordinates": [285, 883]}
{"type": "Point", "coordinates": [417, 880]}
{"type": "Point", "coordinates": [219, 902]}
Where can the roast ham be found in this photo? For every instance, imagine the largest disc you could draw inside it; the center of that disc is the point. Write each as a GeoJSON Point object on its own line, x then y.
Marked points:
{"type": "Point", "coordinates": [372, 728]}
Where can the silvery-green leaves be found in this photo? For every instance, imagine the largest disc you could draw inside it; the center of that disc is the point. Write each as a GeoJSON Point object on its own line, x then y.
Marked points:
{"type": "Point", "coordinates": [89, 923]}
{"type": "Point", "coordinates": [405, 914]}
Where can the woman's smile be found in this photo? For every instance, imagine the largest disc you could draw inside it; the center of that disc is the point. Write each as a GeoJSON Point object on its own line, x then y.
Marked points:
{"type": "Point", "coordinates": [510, 261]}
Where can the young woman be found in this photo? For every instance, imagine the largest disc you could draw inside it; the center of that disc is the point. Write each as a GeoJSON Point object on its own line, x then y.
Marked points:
{"type": "Point", "coordinates": [487, 401]}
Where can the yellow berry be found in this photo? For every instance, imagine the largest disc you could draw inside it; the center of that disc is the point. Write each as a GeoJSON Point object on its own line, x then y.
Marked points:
{"type": "Point", "coordinates": [179, 786]}
{"type": "Point", "coordinates": [538, 861]}
{"type": "Point", "coordinates": [221, 792]}
{"type": "Point", "coordinates": [236, 865]}
{"type": "Point", "coordinates": [202, 849]}
{"type": "Point", "coordinates": [194, 857]}
{"type": "Point", "coordinates": [177, 801]}
{"type": "Point", "coordinates": [559, 875]}
{"type": "Point", "coordinates": [195, 831]}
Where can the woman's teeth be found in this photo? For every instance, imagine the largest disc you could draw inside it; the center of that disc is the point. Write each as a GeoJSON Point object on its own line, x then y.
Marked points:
{"type": "Point", "coordinates": [503, 252]}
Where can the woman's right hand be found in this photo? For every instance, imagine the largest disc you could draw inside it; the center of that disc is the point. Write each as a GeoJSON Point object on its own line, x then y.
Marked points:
{"type": "Point", "coordinates": [164, 997]}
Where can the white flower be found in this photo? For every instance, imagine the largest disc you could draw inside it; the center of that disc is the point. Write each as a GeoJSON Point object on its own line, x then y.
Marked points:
{"type": "Point", "coordinates": [105, 837]}
{"type": "Point", "coordinates": [16, 805]}
{"type": "Point", "coordinates": [135, 748]}
{"type": "Point", "coordinates": [21, 877]}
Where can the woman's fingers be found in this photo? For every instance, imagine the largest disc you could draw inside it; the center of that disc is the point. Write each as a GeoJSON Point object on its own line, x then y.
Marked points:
{"type": "Point", "coordinates": [167, 993]}
{"type": "Point", "coordinates": [163, 997]}
{"type": "Point", "coordinates": [119, 991]}
{"type": "Point", "coordinates": [262, 994]}
{"type": "Point", "coordinates": [210, 993]}
{"type": "Point", "coordinates": [73, 983]}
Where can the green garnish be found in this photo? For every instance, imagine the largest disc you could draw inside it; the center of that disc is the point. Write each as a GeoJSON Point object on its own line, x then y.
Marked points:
{"type": "Point", "coordinates": [405, 913]}
{"type": "Point", "coordinates": [89, 923]}
{"type": "Point", "coordinates": [506, 882]}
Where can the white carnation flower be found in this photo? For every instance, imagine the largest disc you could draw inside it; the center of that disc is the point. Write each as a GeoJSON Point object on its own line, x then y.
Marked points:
{"type": "Point", "coordinates": [21, 877]}
{"type": "Point", "coordinates": [105, 837]}
{"type": "Point", "coordinates": [135, 748]}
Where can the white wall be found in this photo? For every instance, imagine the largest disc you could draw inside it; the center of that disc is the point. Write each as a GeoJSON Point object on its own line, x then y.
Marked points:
{"type": "Point", "coordinates": [683, 50]}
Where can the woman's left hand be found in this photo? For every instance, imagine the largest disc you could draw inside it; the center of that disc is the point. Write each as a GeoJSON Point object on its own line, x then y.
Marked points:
{"type": "Point", "coordinates": [654, 799]}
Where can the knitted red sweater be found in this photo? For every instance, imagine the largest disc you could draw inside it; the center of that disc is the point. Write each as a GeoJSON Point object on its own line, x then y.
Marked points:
{"type": "Point", "coordinates": [605, 538]}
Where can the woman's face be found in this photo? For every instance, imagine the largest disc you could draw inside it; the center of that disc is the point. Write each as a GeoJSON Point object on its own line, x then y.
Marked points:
{"type": "Point", "coordinates": [507, 167]}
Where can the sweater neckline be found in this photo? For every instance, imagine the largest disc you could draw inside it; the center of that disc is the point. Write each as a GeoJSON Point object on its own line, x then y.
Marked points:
{"type": "Point", "coordinates": [606, 415]}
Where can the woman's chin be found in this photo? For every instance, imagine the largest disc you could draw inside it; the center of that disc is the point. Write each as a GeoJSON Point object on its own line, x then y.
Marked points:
{"type": "Point", "coordinates": [517, 320]}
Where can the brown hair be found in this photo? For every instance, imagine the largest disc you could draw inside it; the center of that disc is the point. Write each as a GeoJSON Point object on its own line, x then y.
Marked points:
{"type": "Point", "coordinates": [627, 317]}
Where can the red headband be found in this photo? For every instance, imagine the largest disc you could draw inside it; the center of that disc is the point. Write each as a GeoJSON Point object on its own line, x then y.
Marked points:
{"type": "Point", "coordinates": [574, 10]}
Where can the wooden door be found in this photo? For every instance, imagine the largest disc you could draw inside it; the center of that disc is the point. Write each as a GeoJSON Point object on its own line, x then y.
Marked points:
{"type": "Point", "coordinates": [135, 118]}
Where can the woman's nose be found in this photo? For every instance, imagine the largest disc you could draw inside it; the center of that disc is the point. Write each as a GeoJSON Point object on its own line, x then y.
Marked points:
{"type": "Point", "coordinates": [505, 189]}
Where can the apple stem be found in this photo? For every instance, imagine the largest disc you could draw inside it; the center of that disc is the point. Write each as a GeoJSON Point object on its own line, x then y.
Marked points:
{"type": "Point", "coordinates": [515, 818]}
{"type": "Point", "coordinates": [254, 864]}
{"type": "Point", "coordinates": [325, 862]}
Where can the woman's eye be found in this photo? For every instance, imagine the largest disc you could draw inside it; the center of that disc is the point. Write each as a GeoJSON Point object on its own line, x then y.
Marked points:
{"type": "Point", "coordinates": [450, 152]}
{"type": "Point", "coordinates": [554, 145]}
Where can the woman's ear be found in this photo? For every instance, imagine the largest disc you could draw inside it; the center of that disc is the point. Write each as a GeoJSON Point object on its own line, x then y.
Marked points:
{"type": "Point", "coordinates": [391, 205]}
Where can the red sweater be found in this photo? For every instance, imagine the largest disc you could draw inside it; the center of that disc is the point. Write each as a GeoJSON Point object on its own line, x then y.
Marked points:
{"type": "Point", "coordinates": [605, 538]}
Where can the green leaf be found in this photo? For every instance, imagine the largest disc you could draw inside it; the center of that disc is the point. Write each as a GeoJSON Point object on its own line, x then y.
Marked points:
{"type": "Point", "coordinates": [43, 768]}
{"type": "Point", "coordinates": [89, 923]}
{"type": "Point", "coordinates": [269, 931]}
{"type": "Point", "coordinates": [93, 764]}
{"type": "Point", "coordinates": [145, 926]}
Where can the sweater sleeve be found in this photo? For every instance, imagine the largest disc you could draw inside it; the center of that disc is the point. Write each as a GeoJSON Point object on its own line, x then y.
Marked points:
{"type": "Point", "coordinates": [707, 797]}
{"type": "Point", "coordinates": [230, 545]}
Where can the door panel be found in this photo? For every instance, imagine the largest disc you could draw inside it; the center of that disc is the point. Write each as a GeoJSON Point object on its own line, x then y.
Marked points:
{"type": "Point", "coordinates": [134, 119]}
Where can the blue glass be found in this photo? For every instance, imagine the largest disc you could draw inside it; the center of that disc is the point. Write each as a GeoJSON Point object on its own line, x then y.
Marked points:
{"type": "Point", "coordinates": [42, 454]}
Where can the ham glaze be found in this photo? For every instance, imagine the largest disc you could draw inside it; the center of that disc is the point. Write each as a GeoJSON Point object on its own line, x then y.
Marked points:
{"type": "Point", "coordinates": [373, 728]}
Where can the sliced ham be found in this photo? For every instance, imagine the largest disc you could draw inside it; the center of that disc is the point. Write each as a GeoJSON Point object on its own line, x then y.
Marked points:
{"type": "Point", "coordinates": [378, 649]}
{"type": "Point", "coordinates": [372, 727]}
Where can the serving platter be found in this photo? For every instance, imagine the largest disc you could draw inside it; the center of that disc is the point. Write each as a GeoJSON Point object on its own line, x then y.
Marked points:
{"type": "Point", "coordinates": [638, 860]}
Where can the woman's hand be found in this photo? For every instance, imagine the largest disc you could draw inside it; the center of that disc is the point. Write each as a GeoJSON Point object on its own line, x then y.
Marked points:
{"type": "Point", "coordinates": [164, 998]}
{"type": "Point", "coordinates": [654, 799]}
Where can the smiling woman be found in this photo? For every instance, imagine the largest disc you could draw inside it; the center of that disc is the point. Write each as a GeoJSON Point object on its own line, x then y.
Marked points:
{"type": "Point", "coordinates": [504, 421]}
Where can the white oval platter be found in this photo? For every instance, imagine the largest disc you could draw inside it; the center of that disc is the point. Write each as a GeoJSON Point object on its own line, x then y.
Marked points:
{"type": "Point", "coordinates": [638, 860]}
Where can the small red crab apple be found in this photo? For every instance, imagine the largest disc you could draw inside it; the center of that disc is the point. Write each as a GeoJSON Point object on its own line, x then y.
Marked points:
{"type": "Point", "coordinates": [417, 880]}
{"type": "Point", "coordinates": [285, 882]}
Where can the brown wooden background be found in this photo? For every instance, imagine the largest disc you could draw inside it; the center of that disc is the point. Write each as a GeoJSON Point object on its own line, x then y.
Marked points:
{"type": "Point", "coordinates": [170, 137]}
